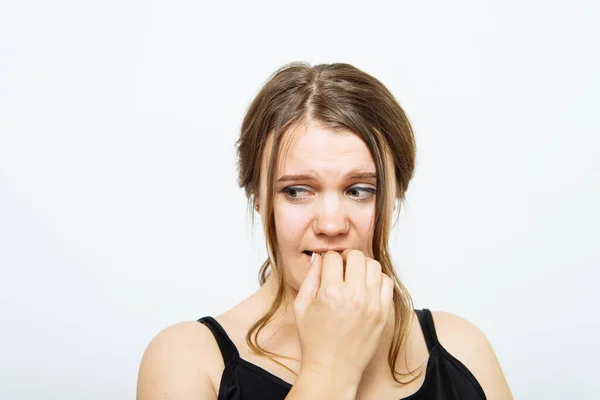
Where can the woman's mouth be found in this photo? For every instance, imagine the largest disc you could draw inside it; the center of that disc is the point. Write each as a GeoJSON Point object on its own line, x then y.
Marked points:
{"type": "Point", "coordinates": [309, 253]}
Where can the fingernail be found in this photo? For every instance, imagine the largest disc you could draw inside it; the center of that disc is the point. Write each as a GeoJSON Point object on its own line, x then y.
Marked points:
{"type": "Point", "coordinates": [312, 257]}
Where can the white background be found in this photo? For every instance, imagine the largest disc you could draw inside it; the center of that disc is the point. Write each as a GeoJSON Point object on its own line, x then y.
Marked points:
{"type": "Point", "coordinates": [120, 214]}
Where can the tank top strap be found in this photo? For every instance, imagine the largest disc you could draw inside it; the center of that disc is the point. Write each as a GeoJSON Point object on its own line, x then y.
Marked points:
{"type": "Point", "coordinates": [428, 328]}
{"type": "Point", "coordinates": [228, 349]}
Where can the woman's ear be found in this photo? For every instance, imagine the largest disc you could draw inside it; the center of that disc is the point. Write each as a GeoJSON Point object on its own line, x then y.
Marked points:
{"type": "Point", "coordinates": [255, 201]}
{"type": "Point", "coordinates": [256, 205]}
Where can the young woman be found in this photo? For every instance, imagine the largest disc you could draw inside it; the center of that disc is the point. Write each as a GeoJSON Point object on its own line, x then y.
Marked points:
{"type": "Point", "coordinates": [325, 153]}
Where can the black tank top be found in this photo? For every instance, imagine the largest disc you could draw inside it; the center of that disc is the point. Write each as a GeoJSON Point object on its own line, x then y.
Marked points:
{"type": "Point", "coordinates": [446, 378]}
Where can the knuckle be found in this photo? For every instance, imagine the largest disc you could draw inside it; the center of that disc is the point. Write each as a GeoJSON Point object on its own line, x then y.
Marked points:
{"type": "Point", "coordinates": [332, 292]}
{"type": "Point", "coordinates": [357, 302]}
{"type": "Point", "coordinates": [381, 318]}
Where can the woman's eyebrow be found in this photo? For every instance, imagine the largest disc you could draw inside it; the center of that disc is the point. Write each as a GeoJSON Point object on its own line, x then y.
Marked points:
{"type": "Point", "coordinates": [350, 175]}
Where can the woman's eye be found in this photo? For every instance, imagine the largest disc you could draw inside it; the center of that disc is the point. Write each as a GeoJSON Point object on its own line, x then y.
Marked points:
{"type": "Point", "coordinates": [293, 192]}
{"type": "Point", "coordinates": [368, 191]}
{"type": "Point", "coordinates": [296, 193]}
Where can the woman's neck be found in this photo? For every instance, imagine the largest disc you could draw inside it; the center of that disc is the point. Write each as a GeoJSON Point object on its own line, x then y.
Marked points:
{"type": "Point", "coordinates": [267, 294]}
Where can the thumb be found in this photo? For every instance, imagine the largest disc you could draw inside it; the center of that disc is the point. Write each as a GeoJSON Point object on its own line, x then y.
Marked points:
{"type": "Point", "coordinates": [310, 285]}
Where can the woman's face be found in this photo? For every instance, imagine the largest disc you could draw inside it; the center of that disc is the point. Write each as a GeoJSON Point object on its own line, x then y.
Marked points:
{"type": "Point", "coordinates": [324, 196]}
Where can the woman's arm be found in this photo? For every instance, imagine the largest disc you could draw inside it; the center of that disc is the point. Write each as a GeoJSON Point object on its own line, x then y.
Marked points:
{"type": "Point", "coordinates": [174, 364]}
{"type": "Point", "coordinates": [469, 345]}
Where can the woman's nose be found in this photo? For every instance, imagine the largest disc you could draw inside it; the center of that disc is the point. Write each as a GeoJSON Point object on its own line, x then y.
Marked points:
{"type": "Point", "coordinates": [330, 217]}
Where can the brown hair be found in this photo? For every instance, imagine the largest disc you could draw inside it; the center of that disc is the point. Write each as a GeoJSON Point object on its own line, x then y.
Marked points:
{"type": "Point", "coordinates": [337, 96]}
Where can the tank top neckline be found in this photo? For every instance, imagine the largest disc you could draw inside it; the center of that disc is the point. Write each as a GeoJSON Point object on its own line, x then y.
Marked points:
{"type": "Point", "coordinates": [230, 352]}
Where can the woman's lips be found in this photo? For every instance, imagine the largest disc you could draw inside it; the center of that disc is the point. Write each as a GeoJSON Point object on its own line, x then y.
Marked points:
{"type": "Point", "coordinates": [309, 253]}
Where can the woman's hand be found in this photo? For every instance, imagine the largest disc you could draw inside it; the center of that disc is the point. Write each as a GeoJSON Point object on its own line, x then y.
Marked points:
{"type": "Point", "coordinates": [340, 316]}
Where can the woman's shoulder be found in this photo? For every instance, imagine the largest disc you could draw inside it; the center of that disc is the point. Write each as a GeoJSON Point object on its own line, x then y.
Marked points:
{"type": "Point", "coordinates": [178, 361]}
{"type": "Point", "coordinates": [467, 343]}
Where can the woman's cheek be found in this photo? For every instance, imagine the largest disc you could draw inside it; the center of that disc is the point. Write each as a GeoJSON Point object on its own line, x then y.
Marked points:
{"type": "Point", "coordinates": [296, 281]}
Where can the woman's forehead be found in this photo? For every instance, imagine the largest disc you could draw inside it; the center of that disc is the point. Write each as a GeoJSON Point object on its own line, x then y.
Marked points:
{"type": "Point", "coordinates": [312, 147]}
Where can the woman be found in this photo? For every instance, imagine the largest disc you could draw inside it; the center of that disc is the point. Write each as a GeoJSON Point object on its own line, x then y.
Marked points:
{"type": "Point", "coordinates": [324, 154]}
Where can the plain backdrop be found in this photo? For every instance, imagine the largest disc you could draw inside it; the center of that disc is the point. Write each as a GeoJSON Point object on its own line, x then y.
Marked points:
{"type": "Point", "coordinates": [119, 209]}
